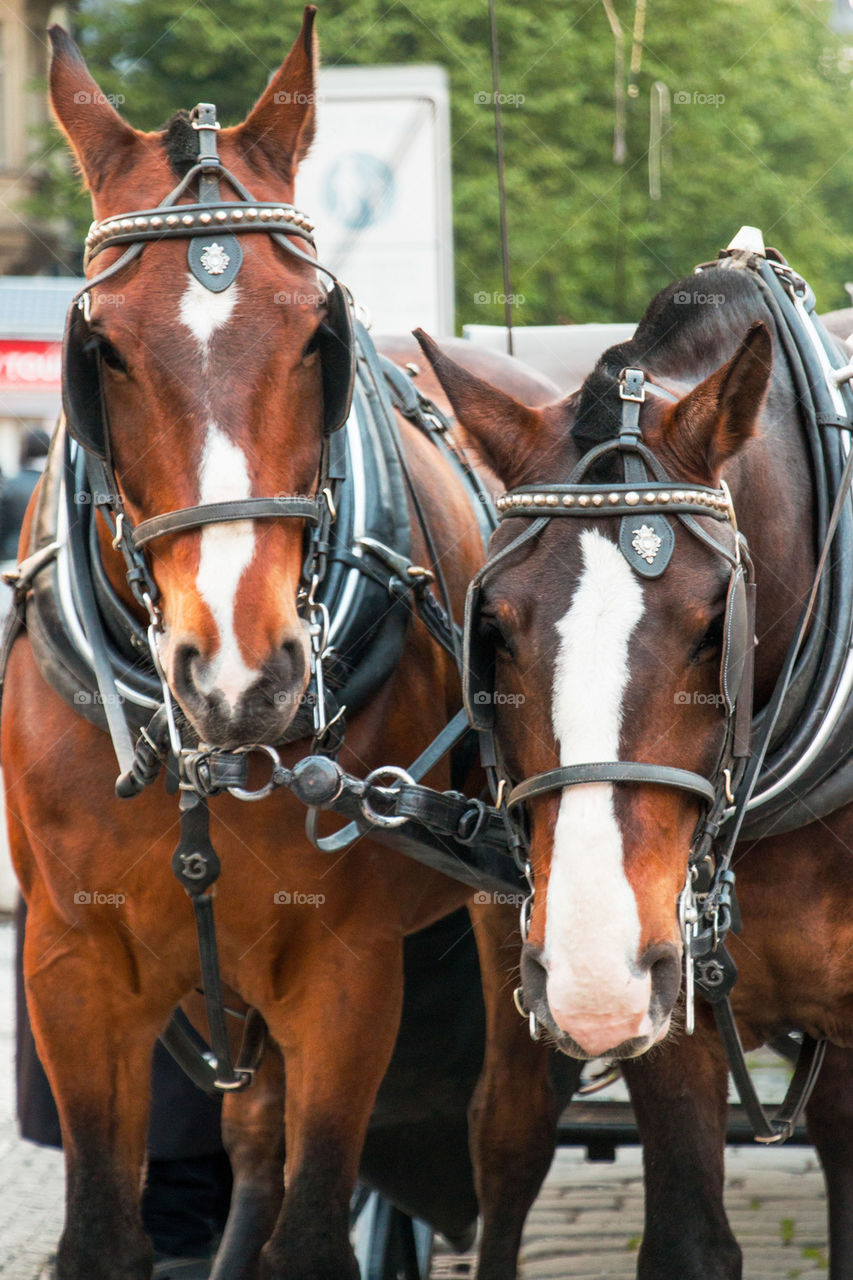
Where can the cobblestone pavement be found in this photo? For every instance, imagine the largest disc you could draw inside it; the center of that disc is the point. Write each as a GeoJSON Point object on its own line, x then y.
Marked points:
{"type": "Point", "coordinates": [586, 1224]}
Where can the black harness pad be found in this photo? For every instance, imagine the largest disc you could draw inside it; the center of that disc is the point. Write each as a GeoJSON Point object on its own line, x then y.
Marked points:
{"type": "Point", "coordinates": [82, 399]}
{"type": "Point", "coordinates": [337, 354]}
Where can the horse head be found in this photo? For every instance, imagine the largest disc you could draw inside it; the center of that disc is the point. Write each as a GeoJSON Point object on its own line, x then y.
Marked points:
{"type": "Point", "coordinates": [595, 662]}
{"type": "Point", "coordinates": [209, 394]}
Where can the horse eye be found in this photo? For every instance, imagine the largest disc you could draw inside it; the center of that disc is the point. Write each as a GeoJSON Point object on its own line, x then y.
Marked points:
{"type": "Point", "coordinates": [710, 643]}
{"type": "Point", "coordinates": [492, 633]}
{"type": "Point", "coordinates": [107, 353]}
{"type": "Point", "coordinates": [313, 343]}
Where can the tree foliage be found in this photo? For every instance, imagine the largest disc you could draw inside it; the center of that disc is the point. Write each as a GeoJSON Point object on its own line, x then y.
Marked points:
{"type": "Point", "coordinates": [761, 113]}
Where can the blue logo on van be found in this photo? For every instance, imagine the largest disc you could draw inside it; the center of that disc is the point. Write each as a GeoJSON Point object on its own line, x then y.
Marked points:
{"type": "Point", "coordinates": [359, 190]}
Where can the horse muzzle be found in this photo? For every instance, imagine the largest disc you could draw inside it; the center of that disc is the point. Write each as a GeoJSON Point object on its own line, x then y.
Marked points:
{"type": "Point", "coordinates": [625, 1018]}
{"type": "Point", "coordinates": [230, 704]}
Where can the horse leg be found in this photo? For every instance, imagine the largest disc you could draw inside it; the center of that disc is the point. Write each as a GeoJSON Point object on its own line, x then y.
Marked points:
{"type": "Point", "coordinates": [513, 1114]}
{"type": "Point", "coordinates": [829, 1118]}
{"type": "Point", "coordinates": [679, 1094]}
{"type": "Point", "coordinates": [337, 1030]}
{"type": "Point", "coordinates": [96, 1049]}
{"type": "Point", "coordinates": [253, 1133]}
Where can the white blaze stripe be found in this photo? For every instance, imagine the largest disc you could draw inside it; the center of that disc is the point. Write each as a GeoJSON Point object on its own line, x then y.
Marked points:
{"type": "Point", "coordinates": [204, 312]}
{"type": "Point", "coordinates": [592, 928]}
{"type": "Point", "coordinates": [226, 551]}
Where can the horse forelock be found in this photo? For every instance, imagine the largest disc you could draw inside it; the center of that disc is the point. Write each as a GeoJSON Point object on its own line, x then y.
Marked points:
{"type": "Point", "coordinates": [181, 142]}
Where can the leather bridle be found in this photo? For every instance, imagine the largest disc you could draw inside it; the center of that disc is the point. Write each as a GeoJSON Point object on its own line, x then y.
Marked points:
{"type": "Point", "coordinates": [212, 227]}
{"type": "Point", "coordinates": [662, 504]}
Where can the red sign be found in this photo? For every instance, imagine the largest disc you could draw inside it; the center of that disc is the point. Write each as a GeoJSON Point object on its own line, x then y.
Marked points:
{"type": "Point", "coordinates": [30, 366]}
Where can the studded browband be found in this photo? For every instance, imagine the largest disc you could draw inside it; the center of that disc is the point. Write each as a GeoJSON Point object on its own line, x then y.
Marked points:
{"type": "Point", "coordinates": [196, 220]}
{"type": "Point", "coordinates": [619, 500]}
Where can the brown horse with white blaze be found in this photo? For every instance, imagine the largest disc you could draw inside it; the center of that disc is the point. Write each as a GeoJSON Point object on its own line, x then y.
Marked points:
{"type": "Point", "coordinates": [217, 397]}
{"type": "Point", "coordinates": [598, 666]}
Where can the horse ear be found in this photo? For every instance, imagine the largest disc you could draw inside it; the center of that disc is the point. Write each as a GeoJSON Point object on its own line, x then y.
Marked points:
{"type": "Point", "coordinates": [280, 127]}
{"type": "Point", "coordinates": [713, 422]}
{"type": "Point", "coordinates": [98, 136]}
{"type": "Point", "coordinates": [506, 431]}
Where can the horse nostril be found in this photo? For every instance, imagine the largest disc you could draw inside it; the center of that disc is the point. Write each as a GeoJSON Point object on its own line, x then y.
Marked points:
{"type": "Point", "coordinates": [534, 976]}
{"type": "Point", "coordinates": [185, 658]}
{"type": "Point", "coordinates": [664, 966]}
{"type": "Point", "coordinates": [292, 660]}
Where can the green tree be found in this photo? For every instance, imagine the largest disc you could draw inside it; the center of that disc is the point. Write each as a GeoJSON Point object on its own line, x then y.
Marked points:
{"type": "Point", "coordinates": [762, 108]}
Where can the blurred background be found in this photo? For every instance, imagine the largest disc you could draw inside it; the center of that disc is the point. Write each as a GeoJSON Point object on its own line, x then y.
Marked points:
{"type": "Point", "coordinates": [639, 135]}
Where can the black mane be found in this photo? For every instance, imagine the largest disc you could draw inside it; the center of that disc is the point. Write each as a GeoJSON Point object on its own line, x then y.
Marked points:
{"type": "Point", "coordinates": [181, 142]}
{"type": "Point", "coordinates": [682, 335]}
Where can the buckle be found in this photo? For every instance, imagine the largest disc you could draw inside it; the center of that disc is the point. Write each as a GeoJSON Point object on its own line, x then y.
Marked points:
{"type": "Point", "coordinates": [632, 385]}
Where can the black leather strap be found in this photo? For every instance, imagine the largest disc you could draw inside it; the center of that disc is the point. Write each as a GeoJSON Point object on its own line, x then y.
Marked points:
{"type": "Point", "coordinates": [297, 506]}
{"type": "Point", "coordinates": [195, 1059]}
{"type": "Point", "coordinates": [781, 1124]}
{"type": "Point", "coordinates": [618, 771]}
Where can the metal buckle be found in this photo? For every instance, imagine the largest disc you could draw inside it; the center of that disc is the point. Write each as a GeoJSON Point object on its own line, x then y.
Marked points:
{"type": "Point", "coordinates": [632, 385]}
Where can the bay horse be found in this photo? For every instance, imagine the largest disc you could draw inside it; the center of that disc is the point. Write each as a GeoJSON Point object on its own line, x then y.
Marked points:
{"type": "Point", "coordinates": [219, 394]}
{"type": "Point", "coordinates": [609, 714]}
